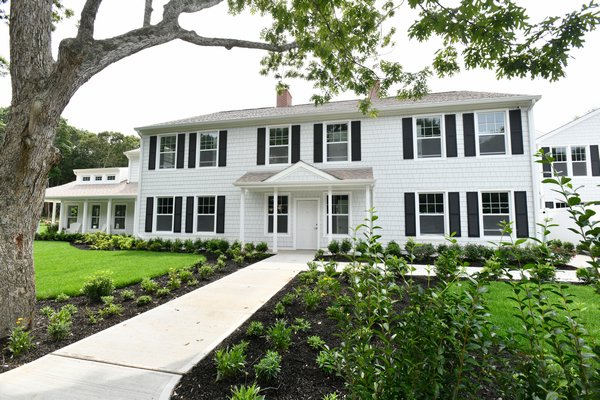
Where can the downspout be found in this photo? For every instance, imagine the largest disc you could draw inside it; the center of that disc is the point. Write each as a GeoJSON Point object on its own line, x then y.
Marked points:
{"type": "Point", "coordinates": [535, 173]}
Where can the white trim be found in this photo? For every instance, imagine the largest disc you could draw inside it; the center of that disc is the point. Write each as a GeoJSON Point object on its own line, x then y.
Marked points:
{"type": "Point", "coordinates": [326, 213]}
{"type": "Point", "coordinates": [442, 136]}
{"type": "Point", "coordinates": [446, 214]}
{"type": "Point", "coordinates": [511, 212]}
{"type": "Point", "coordinates": [566, 126]}
{"type": "Point", "coordinates": [268, 144]}
{"type": "Point", "coordinates": [507, 133]}
{"type": "Point", "coordinates": [158, 152]}
{"type": "Point", "coordinates": [91, 216]}
{"type": "Point", "coordinates": [197, 160]}
{"type": "Point", "coordinates": [569, 161]}
{"type": "Point", "coordinates": [300, 165]}
{"type": "Point", "coordinates": [195, 221]}
{"type": "Point", "coordinates": [296, 200]}
{"type": "Point", "coordinates": [114, 217]}
{"type": "Point", "coordinates": [266, 214]}
{"type": "Point", "coordinates": [349, 141]}
{"type": "Point", "coordinates": [155, 230]}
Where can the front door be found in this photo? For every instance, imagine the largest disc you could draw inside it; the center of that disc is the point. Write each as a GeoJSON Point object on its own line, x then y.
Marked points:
{"type": "Point", "coordinates": [307, 224]}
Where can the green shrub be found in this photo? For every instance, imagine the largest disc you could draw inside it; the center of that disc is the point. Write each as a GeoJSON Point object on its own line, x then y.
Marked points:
{"type": "Point", "coordinates": [193, 282]}
{"type": "Point", "coordinates": [393, 249]}
{"type": "Point", "coordinates": [268, 367]}
{"type": "Point", "coordinates": [185, 275]}
{"type": "Point", "coordinates": [330, 268]}
{"type": "Point", "coordinates": [177, 246]}
{"type": "Point", "coordinates": [262, 247]}
{"type": "Point", "coordinates": [46, 311]}
{"type": "Point", "coordinates": [231, 361]}
{"type": "Point", "coordinates": [319, 254]}
{"type": "Point", "coordinates": [98, 285]}
{"type": "Point", "coordinates": [143, 300]}
{"type": "Point", "coordinates": [221, 262]}
{"type": "Point", "coordinates": [149, 285]}
{"type": "Point", "coordinates": [331, 396]}
{"type": "Point", "coordinates": [60, 323]}
{"type": "Point", "coordinates": [423, 252]}
{"type": "Point", "coordinates": [345, 246]}
{"type": "Point", "coordinates": [249, 248]}
{"type": "Point", "coordinates": [174, 282]}
{"type": "Point", "coordinates": [127, 295]}
{"type": "Point", "coordinates": [542, 272]}
{"type": "Point", "coordinates": [279, 309]}
{"type": "Point", "coordinates": [326, 360]}
{"type": "Point", "coordinates": [315, 342]}
{"type": "Point", "coordinates": [255, 328]}
{"type": "Point", "coordinates": [334, 247]}
{"type": "Point", "coordinates": [206, 272]}
{"type": "Point", "coordinates": [162, 292]}
{"type": "Point", "coordinates": [587, 275]}
{"type": "Point", "coordinates": [20, 341]}
{"type": "Point", "coordinates": [300, 325]}
{"type": "Point", "coordinates": [244, 392]}
{"type": "Point", "coordinates": [279, 335]}
{"type": "Point", "coordinates": [62, 297]}
{"type": "Point", "coordinates": [288, 299]}
{"type": "Point", "coordinates": [311, 299]}
{"type": "Point", "coordinates": [188, 246]}
{"type": "Point", "coordinates": [111, 309]}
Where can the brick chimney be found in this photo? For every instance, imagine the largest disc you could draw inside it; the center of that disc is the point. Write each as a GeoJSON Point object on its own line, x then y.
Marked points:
{"type": "Point", "coordinates": [284, 99]}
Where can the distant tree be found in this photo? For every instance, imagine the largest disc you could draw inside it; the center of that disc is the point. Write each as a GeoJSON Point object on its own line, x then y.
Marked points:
{"type": "Point", "coordinates": [335, 44]}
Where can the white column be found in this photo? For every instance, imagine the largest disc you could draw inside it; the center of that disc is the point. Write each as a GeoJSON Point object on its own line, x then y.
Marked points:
{"type": "Point", "coordinates": [275, 195]}
{"type": "Point", "coordinates": [329, 214]}
{"type": "Point", "coordinates": [368, 204]}
{"type": "Point", "coordinates": [135, 217]}
{"type": "Point", "coordinates": [109, 216]}
{"type": "Point", "coordinates": [84, 217]}
{"type": "Point", "coordinates": [60, 217]}
{"type": "Point", "coordinates": [242, 216]}
{"type": "Point", "coordinates": [53, 212]}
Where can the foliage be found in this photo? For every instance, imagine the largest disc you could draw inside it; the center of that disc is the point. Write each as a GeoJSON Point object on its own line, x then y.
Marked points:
{"type": "Point", "coordinates": [174, 282]}
{"type": "Point", "coordinates": [345, 246]}
{"type": "Point", "coordinates": [127, 294]}
{"type": "Point", "coordinates": [327, 359]}
{"type": "Point", "coordinates": [334, 247]}
{"type": "Point", "coordinates": [98, 285]}
{"type": "Point", "coordinates": [245, 392]}
{"type": "Point", "coordinates": [311, 298]}
{"type": "Point", "coordinates": [300, 325]}
{"type": "Point", "coordinates": [143, 300]}
{"type": "Point", "coordinates": [60, 323]}
{"type": "Point", "coordinates": [315, 342]}
{"type": "Point", "coordinates": [288, 298]}
{"type": "Point", "coordinates": [20, 341]}
{"type": "Point", "coordinates": [231, 361]}
{"type": "Point", "coordinates": [393, 249]}
{"type": "Point", "coordinates": [279, 309]}
{"type": "Point", "coordinates": [149, 285]}
{"type": "Point", "coordinates": [206, 272]}
{"type": "Point", "coordinates": [62, 297]}
{"type": "Point", "coordinates": [279, 335]}
{"type": "Point", "coordinates": [185, 275]}
{"type": "Point", "coordinates": [256, 328]}
{"type": "Point", "coordinates": [268, 367]}
{"type": "Point", "coordinates": [162, 292]}
{"type": "Point", "coordinates": [111, 309]}
{"type": "Point", "coordinates": [262, 247]}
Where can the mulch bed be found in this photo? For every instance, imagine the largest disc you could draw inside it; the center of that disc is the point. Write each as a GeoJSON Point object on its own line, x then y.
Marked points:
{"type": "Point", "coordinates": [82, 328]}
{"type": "Point", "coordinates": [300, 377]}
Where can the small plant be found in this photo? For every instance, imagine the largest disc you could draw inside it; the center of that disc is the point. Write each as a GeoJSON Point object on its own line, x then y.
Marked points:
{"type": "Point", "coordinates": [20, 340]}
{"type": "Point", "coordinates": [345, 246]}
{"type": "Point", "coordinates": [326, 360]}
{"type": "Point", "coordinates": [107, 300]}
{"type": "Point", "coordinates": [262, 247]}
{"type": "Point", "coordinates": [143, 300]}
{"type": "Point", "coordinates": [268, 367]}
{"type": "Point", "coordinates": [127, 295]}
{"type": "Point", "coordinates": [174, 282]}
{"type": "Point", "coordinates": [279, 309]}
{"type": "Point", "coordinates": [330, 268]}
{"type": "Point", "coordinates": [185, 275]}
{"type": "Point", "coordinates": [92, 317]}
{"type": "Point", "coordinates": [319, 254]}
{"type": "Point", "coordinates": [59, 324]}
{"type": "Point", "coordinates": [249, 248]}
{"type": "Point", "coordinates": [393, 249]}
{"type": "Point", "coordinates": [331, 396]}
{"type": "Point", "coordinates": [149, 285]}
{"type": "Point", "coordinates": [280, 335]}
{"type": "Point", "coordinates": [300, 325]}
{"type": "Point", "coordinates": [311, 299]}
{"type": "Point", "coordinates": [334, 247]}
{"type": "Point", "coordinates": [206, 272]}
{"type": "Point", "coordinates": [256, 328]}
{"type": "Point", "coordinates": [543, 272]}
{"type": "Point", "coordinates": [231, 361]}
{"type": "Point", "coordinates": [315, 342]}
{"type": "Point", "coordinates": [244, 392]}
{"type": "Point", "coordinates": [288, 299]}
{"type": "Point", "coordinates": [221, 261]}
{"type": "Point", "coordinates": [111, 309]}
{"type": "Point", "coordinates": [193, 282]}
{"type": "Point", "coordinates": [62, 297]}
{"type": "Point", "coordinates": [47, 311]}
{"type": "Point", "coordinates": [98, 285]}
{"type": "Point", "coordinates": [162, 292]}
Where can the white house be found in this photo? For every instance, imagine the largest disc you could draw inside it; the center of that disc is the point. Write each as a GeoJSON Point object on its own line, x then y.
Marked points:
{"type": "Point", "coordinates": [450, 162]}
{"type": "Point", "coordinates": [574, 148]}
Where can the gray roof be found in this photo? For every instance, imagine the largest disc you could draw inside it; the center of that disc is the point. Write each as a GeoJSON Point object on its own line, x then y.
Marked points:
{"type": "Point", "coordinates": [345, 174]}
{"type": "Point", "coordinates": [338, 107]}
{"type": "Point", "coordinates": [92, 190]}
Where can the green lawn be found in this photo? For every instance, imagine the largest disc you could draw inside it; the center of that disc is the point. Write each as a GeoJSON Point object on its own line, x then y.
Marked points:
{"type": "Point", "coordinates": [62, 268]}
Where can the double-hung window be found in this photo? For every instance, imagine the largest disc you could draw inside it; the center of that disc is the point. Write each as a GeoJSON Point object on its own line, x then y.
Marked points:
{"type": "Point", "coordinates": [120, 215]}
{"type": "Point", "coordinates": [164, 214]}
{"type": "Point", "coordinates": [279, 145]}
{"type": "Point", "coordinates": [431, 213]}
{"type": "Point", "coordinates": [95, 223]}
{"type": "Point", "coordinates": [578, 161]}
{"type": "Point", "coordinates": [282, 214]}
{"type": "Point", "coordinates": [340, 216]}
{"type": "Point", "coordinates": [72, 213]}
{"type": "Point", "coordinates": [429, 137]}
{"type": "Point", "coordinates": [206, 214]}
{"type": "Point", "coordinates": [491, 129]}
{"type": "Point", "coordinates": [337, 142]}
{"type": "Point", "coordinates": [559, 154]}
{"type": "Point", "coordinates": [496, 209]}
{"type": "Point", "coordinates": [209, 142]}
{"type": "Point", "coordinates": [168, 151]}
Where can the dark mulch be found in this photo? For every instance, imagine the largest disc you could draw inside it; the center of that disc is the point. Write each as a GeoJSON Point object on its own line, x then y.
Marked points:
{"type": "Point", "coordinates": [300, 377]}
{"type": "Point", "coordinates": [83, 328]}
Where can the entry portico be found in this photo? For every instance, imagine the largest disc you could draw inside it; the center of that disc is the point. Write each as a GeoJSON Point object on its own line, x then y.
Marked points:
{"type": "Point", "coordinates": [301, 202]}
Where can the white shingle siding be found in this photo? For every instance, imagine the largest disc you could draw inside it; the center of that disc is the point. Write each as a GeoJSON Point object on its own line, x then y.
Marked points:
{"type": "Point", "coordinates": [381, 149]}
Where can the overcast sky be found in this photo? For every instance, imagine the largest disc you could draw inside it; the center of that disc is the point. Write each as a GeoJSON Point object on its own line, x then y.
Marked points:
{"type": "Point", "coordinates": [179, 80]}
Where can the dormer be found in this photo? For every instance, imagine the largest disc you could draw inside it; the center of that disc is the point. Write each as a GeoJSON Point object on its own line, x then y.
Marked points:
{"type": "Point", "coordinates": [104, 176]}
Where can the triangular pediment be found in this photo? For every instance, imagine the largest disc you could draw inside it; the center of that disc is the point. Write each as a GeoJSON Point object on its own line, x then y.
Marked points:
{"type": "Point", "coordinates": [301, 172]}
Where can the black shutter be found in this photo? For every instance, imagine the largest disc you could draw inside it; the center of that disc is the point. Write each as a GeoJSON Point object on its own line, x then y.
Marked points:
{"type": "Point", "coordinates": [177, 214]}
{"type": "Point", "coordinates": [222, 148]}
{"type": "Point", "coordinates": [152, 153]}
{"type": "Point", "coordinates": [318, 143]}
{"type": "Point", "coordinates": [451, 147]}
{"type": "Point", "coordinates": [516, 132]}
{"type": "Point", "coordinates": [469, 135]}
{"type": "Point", "coordinates": [410, 222]}
{"type": "Point", "coordinates": [454, 213]}
{"type": "Point", "coordinates": [261, 134]}
{"type": "Point", "coordinates": [522, 222]}
{"type": "Point", "coordinates": [295, 143]}
{"type": "Point", "coordinates": [192, 150]}
{"type": "Point", "coordinates": [473, 213]}
{"type": "Point", "coordinates": [180, 149]}
{"type": "Point", "coordinates": [189, 214]}
{"type": "Point", "coordinates": [149, 211]}
{"type": "Point", "coordinates": [220, 214]}
{"type": "Point", "coordinates": [547, 167]}
{"type": "Point", "coordinates": [407, 138]}
{"type": "Point", "coordinates": [595, 158]}
{"type": "Point", "coordinates": [355, 141]}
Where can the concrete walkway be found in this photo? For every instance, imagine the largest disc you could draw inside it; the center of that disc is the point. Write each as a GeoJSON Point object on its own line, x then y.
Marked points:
{"type": "Point", "coordinates": [144, 357]}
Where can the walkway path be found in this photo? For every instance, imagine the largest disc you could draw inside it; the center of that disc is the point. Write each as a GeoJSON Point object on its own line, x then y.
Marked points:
{"type": "Point", "coordinates": [145, 356]}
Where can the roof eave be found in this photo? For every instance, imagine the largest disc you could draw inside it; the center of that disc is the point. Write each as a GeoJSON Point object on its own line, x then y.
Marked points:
{"type": "Point", "coordinates": [340, 183]}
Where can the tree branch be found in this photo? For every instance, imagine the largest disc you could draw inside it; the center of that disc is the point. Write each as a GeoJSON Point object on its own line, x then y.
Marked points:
{"type": "Point", "coordinates": [174, 8]}
{"type": "Point", "coordinates": [88, 19]}
{"type": "Point", "coordinates": [194, 38]}
{"type": "Point", "coordinates": [147, 12]}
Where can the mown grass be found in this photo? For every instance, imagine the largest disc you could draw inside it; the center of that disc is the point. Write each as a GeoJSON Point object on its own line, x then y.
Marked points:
{"type": "Point", "coordinates": [62, 268]}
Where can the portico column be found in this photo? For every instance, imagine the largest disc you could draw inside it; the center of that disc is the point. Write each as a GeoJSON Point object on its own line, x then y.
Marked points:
{"type": "Point", "coordinates": [60, 218]}
{"type": "Point", "coordinates": [53, 212]}
{"type": "Point", "coordinates": [368, 204]}
{"type": "Point", "coordinates": [84, 217]}
{"type": "Point", "coordinates": [329, 214]}
{"type": "Point", "coordinates": [108, 216]}
{"type": "Point", "coordinates": [242, 216]}
{"type": "Point", "coordinates": [135, 217]}
{"type": "Point", "coordinates": [275, 195]}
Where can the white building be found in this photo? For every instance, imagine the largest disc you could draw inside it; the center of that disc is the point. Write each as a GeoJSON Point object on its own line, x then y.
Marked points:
{"type": "Point", "coordinates": [574, 148]}
{"type": "Point", "coordinates": [450, 162]}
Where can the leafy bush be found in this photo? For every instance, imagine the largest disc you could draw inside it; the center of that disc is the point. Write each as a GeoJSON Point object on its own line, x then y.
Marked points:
{"type": "Point", "coordinates": [279, 335]}
{"type": "Point", "coordinates": [231, 361]}
{"type": "Point", "coordinates": [279, 309]}
{"type": "Point", "coordinates": [334, 247]}
{"type": "Point", "coordinates": [255, 328]}
{"type": "Point", "coordinates": [20, 341]}
{"type": "Point", "coordinates": [319, 253]}
{"type": "Point", "coordinates": [262, 247]}
{"type": "Point", "coordinates": [206, 272]}
{"type": "Point", "coordinates": [162, 292]}
{"type": "Point", "coordinates": [393, 249]}
{"type": "Point", "coordinates": [249, 248]}
{"type": "Point", "coordinates": [476, 252]}
{"type": "Point", "coordinates": [127, 295]}
{"type": "Point", "coordinates": [300, 325]}
{"type": "Point", "coordinates": [315, 342]}
{"type": "Point", "coordinates": [143, 300]}
{"type": "Point", "coordinates": [185, 275]}
{"type": "Point", "coordinates": [98, 285]}
{"type": "Point", "coordinates": [288, 299]}
{"type": "Point", "coordinates": [345, 246]}
{"type": "Point", "coordinates": [311, 299]}
{"type": "Point", "coordinates": [542, 272]}
{"type": "Point", "coordinates": [111, 309]}
{"type": "Point", "coordinates": [174, 282]}
{"type": "Point", "coordinates": [326, 360]}
{"type": "Point", "coordinates": [149, 285]}
{"type": "Point", "coordinates": [244, 392]}
{"type": "Point", "coordinates": [60, 323]}
{"type": "Point", "coordinates": [268, 367]}
{"type": "Point", "coordinates": [62, 297]}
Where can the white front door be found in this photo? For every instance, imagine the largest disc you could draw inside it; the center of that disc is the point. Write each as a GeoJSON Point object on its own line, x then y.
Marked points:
{"type": "Point", "coordinates": [307, 228]}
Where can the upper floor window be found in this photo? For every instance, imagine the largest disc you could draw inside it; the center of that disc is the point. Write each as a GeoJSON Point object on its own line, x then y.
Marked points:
{"type": "Point", "coordinates": [86, 178]}
{"type": "Point", "coordinates": [431, 213]}
{"type": "Point", "coordinates": [98, 178]}
{"type": "Point", "coordinates": [337, 142]}
{"type": "Point", "coordinates": [340, 215]}
{"type": "Point", "coordinates": [491, 129]}
{"type": "Point", "coordinates": [559, 154]}
{"type": "Point", "coordinates": [209, 143]}
{"type": "Point", "coordinates": [282, 214]}
{"type": "Point", "coordinates": [279, 145]}
{"type": "Point", "coordinates": [164, 214]}
{"type": "Point", "coordinates": [167, 153]}
{"type": "Point", "coordinates": [429, 137]}
{"type": "Point", "coordinates": [578, 161]}
{"type": "Point", "coordinates": [111, 178]}
{"type": "Point", "coordinates": [206, 214]}
{"type": "Point", "coordinates": [496, 209]}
